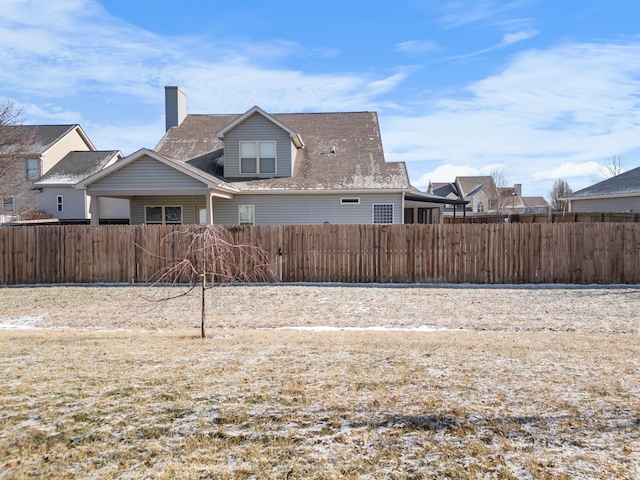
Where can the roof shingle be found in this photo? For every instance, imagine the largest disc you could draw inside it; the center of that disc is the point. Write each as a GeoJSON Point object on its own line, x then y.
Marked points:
{"type": "Point", "coordinates": [357, 163]}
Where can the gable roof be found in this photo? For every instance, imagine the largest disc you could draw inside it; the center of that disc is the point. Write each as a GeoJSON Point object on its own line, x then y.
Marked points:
{"type": "Point", "coordinates": [257, 110]}
{"type": "Point", "coordinates": [444, 189]}
{"type": "Point", "coordinates": [78, 165]}
{"type": "Point", "coordinates": [357, 161]}
{"type": "Point", "coordinates": [469, 185]}
{"type": "Point", "coordinates": [625, 184]}
{"type": "Point", "coordinates": [210, 181]}
{"type": "Point", "coordinates": [39, 138]}
{"type": "Point", "coordinates": [534, 202]}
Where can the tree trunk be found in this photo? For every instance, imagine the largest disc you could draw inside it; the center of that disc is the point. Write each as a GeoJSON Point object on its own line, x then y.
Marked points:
{"type": "Point", "coordinates": [202, 292]}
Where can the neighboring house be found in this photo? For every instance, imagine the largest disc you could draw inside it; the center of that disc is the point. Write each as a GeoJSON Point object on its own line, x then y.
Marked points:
{"type": "Point", "coordinates": [61, 200]}
{"type": "Point", "coordinates": [264, 169]}
{"type": "Point", "coordinates": [616, 194]}
{"type": "Point", "coordinates": [41, 147]}
{"type": "Point", "coordinates": [484, 197]}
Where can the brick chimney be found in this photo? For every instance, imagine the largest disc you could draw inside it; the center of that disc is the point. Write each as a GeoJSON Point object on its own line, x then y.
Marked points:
{"type": "Point", "coordinates": [175, 106]}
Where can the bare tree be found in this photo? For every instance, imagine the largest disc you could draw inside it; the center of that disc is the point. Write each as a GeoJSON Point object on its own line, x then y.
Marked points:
{"type": "Point", "coordinates": [211, 257]}
{"type": "Point", "coordinates": [615, 166]}
{"type": "Point", "coordinates": [497, 201]}
{"type": "Point", "coordinates": [559, 190]}
{"type": "Point", "coordinates": [15, 143]}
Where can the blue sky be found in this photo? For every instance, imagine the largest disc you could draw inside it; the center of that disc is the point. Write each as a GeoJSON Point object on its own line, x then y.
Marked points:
{"type": "Point", "coordinates": [540, 89]}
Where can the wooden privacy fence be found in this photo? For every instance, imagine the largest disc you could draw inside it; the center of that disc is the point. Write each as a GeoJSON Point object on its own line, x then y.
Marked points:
{"type": "Point", "coordinates": [554, 217]}
{"type": "Point", "coordinates": [517, 253]}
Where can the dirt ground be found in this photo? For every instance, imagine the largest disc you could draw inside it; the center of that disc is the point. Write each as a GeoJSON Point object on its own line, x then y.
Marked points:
{"type": "Point", "coordinates": [320, 382]}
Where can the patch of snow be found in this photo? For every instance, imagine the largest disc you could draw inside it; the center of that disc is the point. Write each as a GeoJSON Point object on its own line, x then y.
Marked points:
{"type": "Point", "coordinates": [27, 322]}
{"type": "Point", "coordinates": [423, 328]}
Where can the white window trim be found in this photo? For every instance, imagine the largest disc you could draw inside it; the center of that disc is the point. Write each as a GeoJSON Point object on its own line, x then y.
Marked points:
{"type": "Point", "coordinates": [253, 216]}
{"type": "Point", "coordinates": [164, 222]}
{"type": "Point", "coordinates": [257, 144]}
{"type": "Point", "coordinates": [350, 201]}
{"type": "Point", "coordinates": [373, 213]}
{"type": "Point", "coordinates": [59, 203]}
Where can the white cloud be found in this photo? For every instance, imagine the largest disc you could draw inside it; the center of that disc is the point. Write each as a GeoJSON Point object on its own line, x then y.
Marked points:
{"type": "Point", "coordinates": [53, 113]}
{"type": "Point", "coordinates": [462, 12]}
{"type": "Point", "coordinates": [79, 47]}
{"type": "Point", "coordinates": [508, 39]}
{"type": "Point", "coordinates": [127, 137]}
{"type": "Point", "coordinates": [572, 105]}
{"type": "Point", "coordinates": [515, 37]}
{"type": "Point", "coordinates": [416, 47]}
{"type": "Point", "coordinates": [569, 170]}
{"type": "Point", "coordinates": [444, 173]}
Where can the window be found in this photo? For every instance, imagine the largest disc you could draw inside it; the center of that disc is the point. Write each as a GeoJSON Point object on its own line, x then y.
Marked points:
{"type": "Point", "coordinates": [33, 169]}
{"type": "Point", "coordinates": [257, 157]}
{"type": "Point", "coordinates": [8, 204]}
{"type": "Point", "coordinates": [59, 204]}
{"type": "Point", "coordinates": [246, 215]}
{"type": "Point", "coordinates": [350, 201]}
{"type": "Point", "coordinates": [383, 213]}
{"type": "Point", "coordinates": [480, 207]}
{"type": "Point", "coordinates": [163, 215]}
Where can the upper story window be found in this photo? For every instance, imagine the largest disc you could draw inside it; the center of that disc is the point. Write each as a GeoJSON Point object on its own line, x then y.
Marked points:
{"type": "Point", "coordinates": [33, 169]}
{"type": "Point", "coordinates": [257, 157]}
{"type": "Point", "coordinates": [480, 207]}
{"type": "Point", "coordinates": [8, 204]}
{"type": "Point", "coordinates": [59, 203]}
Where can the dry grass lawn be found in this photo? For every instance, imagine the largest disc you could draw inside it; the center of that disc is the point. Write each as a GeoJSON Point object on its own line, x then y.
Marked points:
{"type": "Point", "coordinates": [511, 384]}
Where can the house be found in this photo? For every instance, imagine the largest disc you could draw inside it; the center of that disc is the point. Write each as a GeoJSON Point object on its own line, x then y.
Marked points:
{"type": "Point", "coordinates": [485, 197]}
{"type": "Point", "coordinates": [258, 168]}
{"type": "Point", "coordinates": [616, 194]}
{"type": "Point", "coordinates": [31, 151]}
{"type": "Point", "coordinates": [61, 200]}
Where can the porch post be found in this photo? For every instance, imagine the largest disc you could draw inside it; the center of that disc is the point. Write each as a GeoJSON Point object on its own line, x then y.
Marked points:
{"type": "Point", "coordinates": [209, 210]}
{"type": "Point", "coordinates": [94, 210]}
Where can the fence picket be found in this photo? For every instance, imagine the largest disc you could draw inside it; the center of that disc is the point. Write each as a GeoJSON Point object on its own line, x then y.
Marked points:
{"type": "Point", "coordinates": [560, 252]}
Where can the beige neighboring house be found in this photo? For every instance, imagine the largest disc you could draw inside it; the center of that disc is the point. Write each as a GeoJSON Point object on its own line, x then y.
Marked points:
{"type": "Point", "coordinates": [44, 147]}
{"type": "Point", "coordinates": [485, 197]}
{"type": "Point", "coordinates": [46, 163]}
{"type": "Point", "coordinates": [61, 200]}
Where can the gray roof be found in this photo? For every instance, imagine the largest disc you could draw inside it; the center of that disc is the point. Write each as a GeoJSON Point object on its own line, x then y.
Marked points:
{"type": "Point", "coordinates": [444, 189]}
{"type": "Point", "coordinates": [76, 166]}
{"type": "Point", "coordinates": [624, 184]}
{"type": "Point", "coordinates": [358, 161]}
{"type": "Point", "coordinates": [469, 185]}
{"type": "Point", "coordinates": [38, 138]}
{"type": "Point", "coordinates": [534, 202]}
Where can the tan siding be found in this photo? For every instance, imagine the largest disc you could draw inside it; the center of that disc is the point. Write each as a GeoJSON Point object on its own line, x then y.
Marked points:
{"type": "Point", "coordinates": [257, 128]}
{"type": "Point", "coordinates": [146, 172]}
{"type": "Point", "coordinates": [73, 141]}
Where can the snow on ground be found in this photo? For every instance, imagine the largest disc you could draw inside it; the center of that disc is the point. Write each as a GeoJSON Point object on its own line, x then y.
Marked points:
{"type": "Point", "coordinates": [514, 383]}
{"type": "Point", "coordinates": [320, 328]}
{"type": "Point", "coordinates": [25, 322]}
